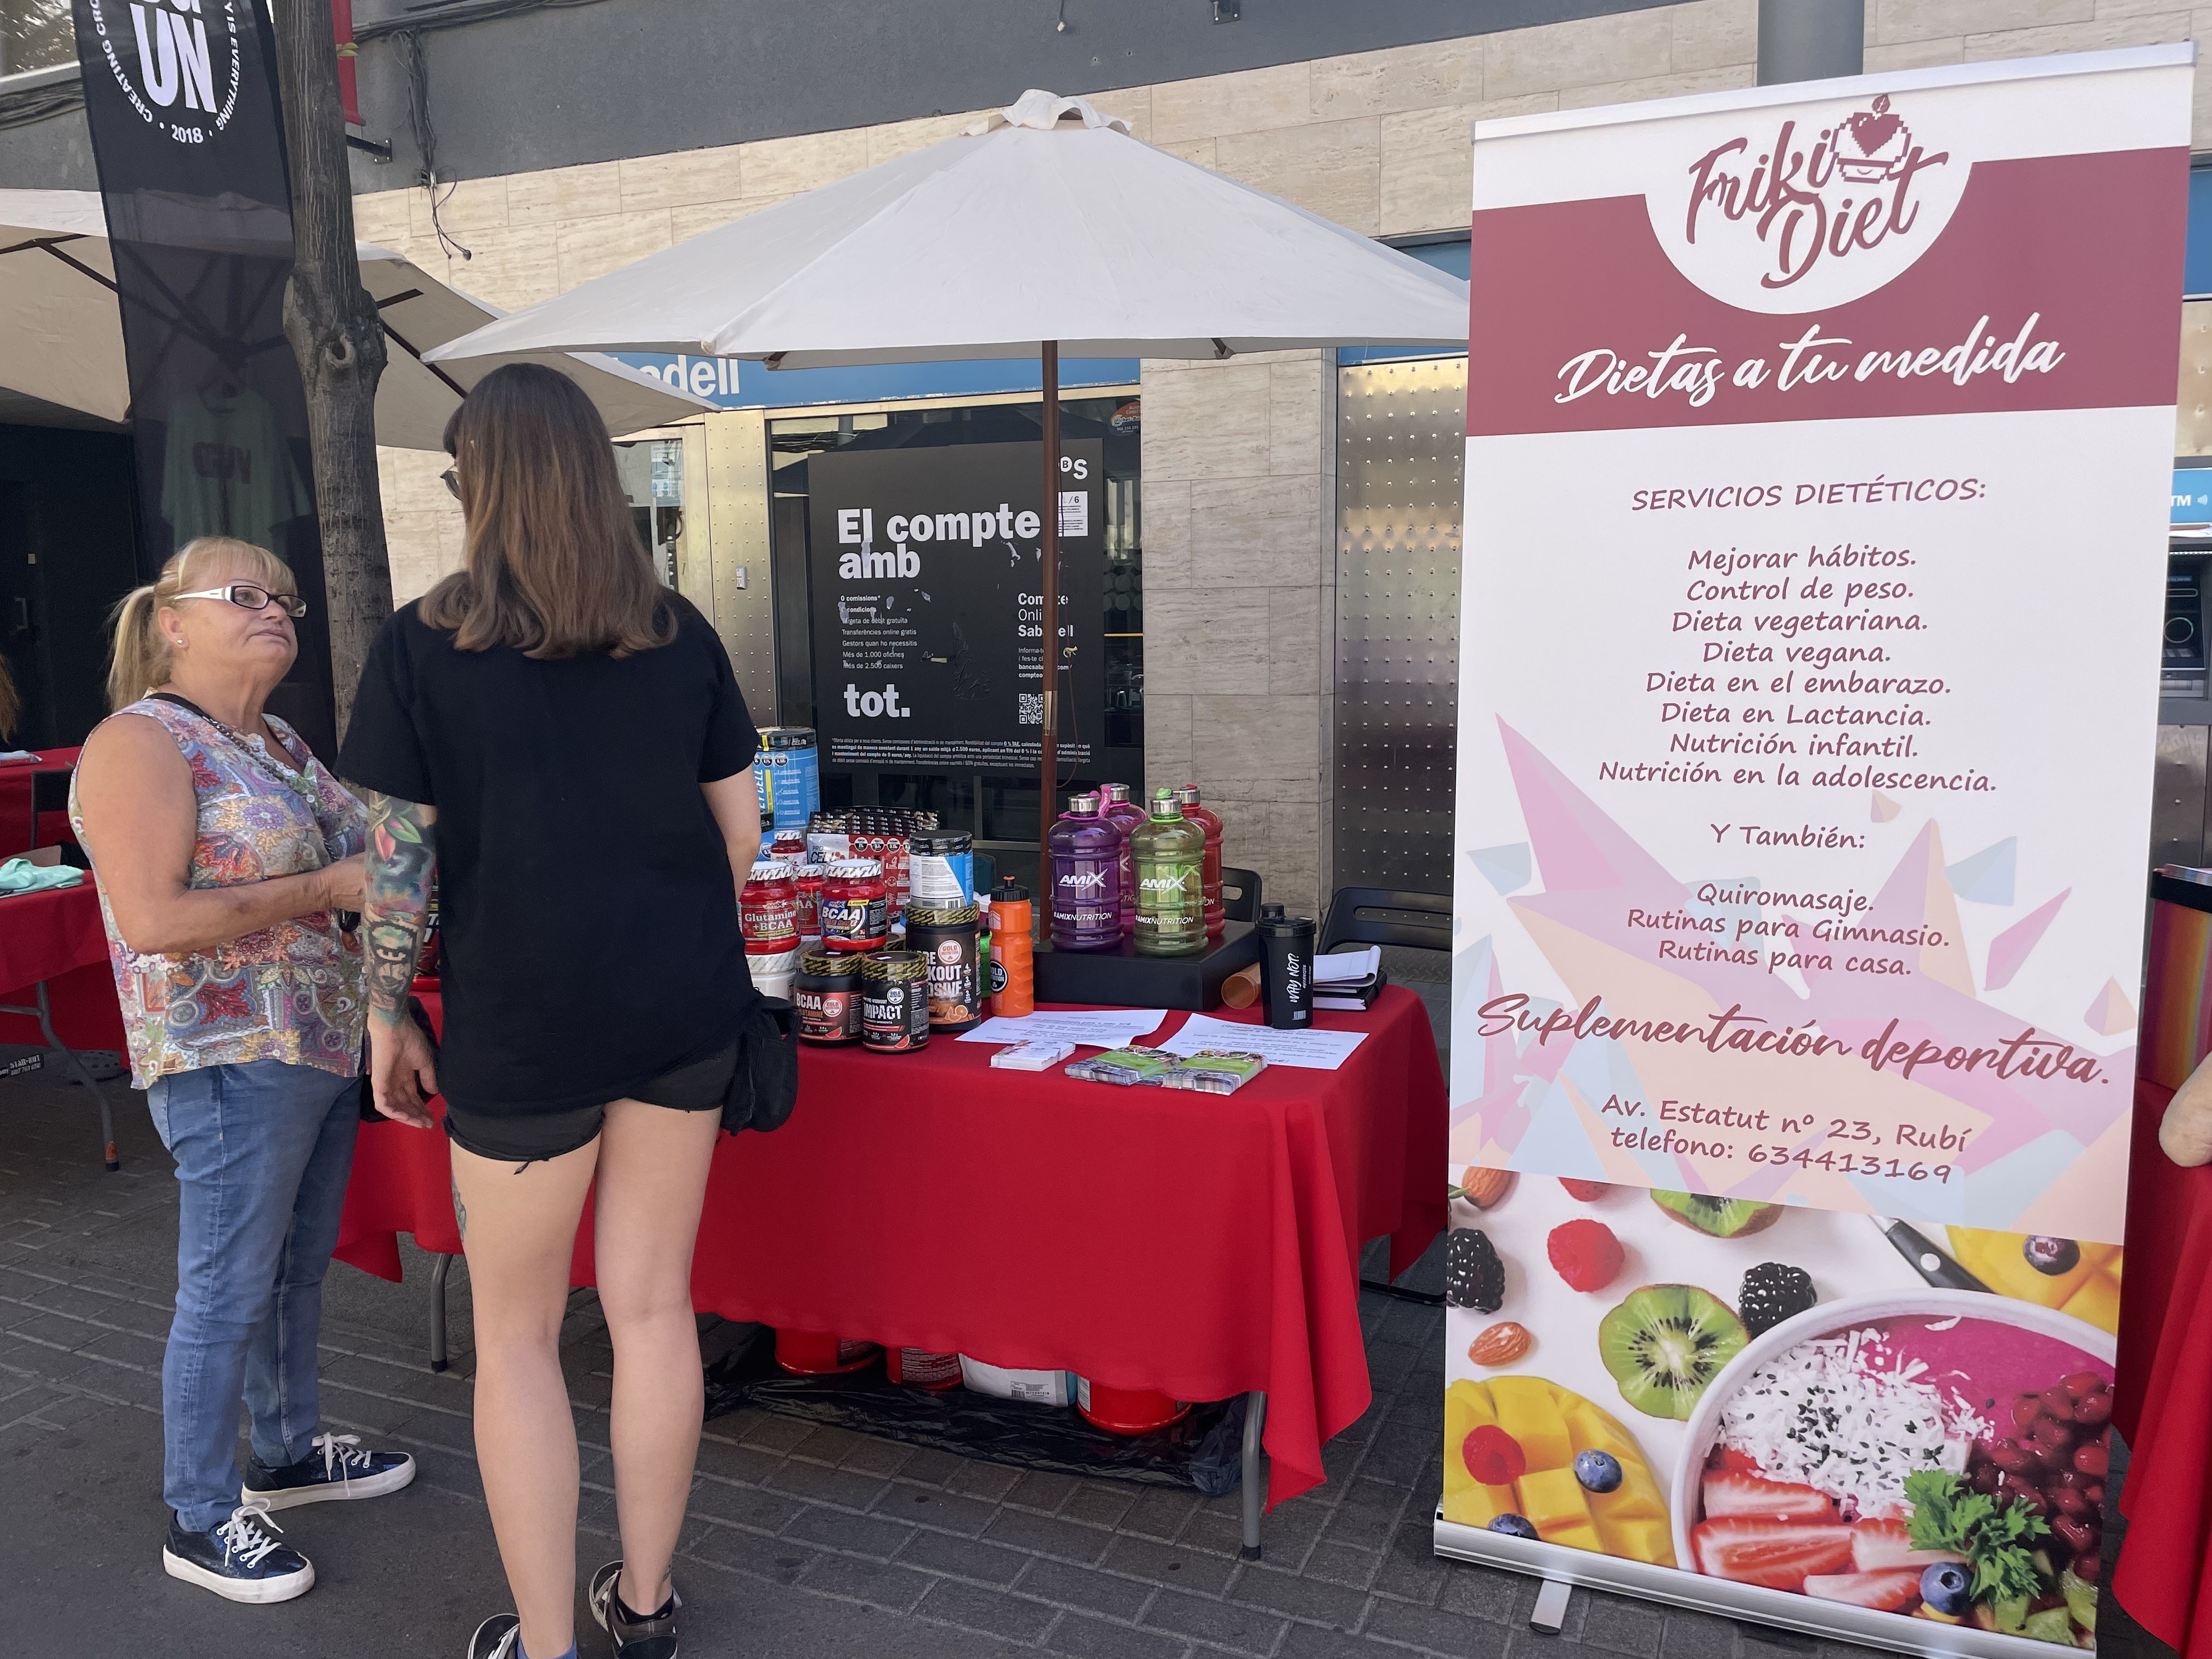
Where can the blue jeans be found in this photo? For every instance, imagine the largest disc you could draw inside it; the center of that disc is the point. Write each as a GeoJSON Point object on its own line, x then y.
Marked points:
{"type": "Point", "coordinates": [262, 1152]}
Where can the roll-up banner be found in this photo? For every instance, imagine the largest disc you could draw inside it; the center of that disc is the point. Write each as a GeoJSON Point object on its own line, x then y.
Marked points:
{"type": "Point", "coordinates": [1819, 440]}
{"type": "Point", "coordinates": [180, 99]}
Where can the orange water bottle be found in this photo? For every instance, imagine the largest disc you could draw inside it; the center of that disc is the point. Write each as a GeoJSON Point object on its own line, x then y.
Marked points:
{"type": "Point", "coordinates": [1013, 986]}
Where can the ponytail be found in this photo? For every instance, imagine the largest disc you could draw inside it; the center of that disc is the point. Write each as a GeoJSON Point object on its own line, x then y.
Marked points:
{"type": "Point", "coordinates": [140, 659]}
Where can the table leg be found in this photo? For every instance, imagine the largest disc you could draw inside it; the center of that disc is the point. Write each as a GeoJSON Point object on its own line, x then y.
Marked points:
{"type": "Point", "coordinates": [1256, 1496]}
{"type": "Point", "coordinates": [440, 1269]}
{"type": "Point", "coordinates": [44, 1014]}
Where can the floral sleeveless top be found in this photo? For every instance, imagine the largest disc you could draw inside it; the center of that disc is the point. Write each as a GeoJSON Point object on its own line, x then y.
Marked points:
{"type": "Point", "coordinates": [290, 992]}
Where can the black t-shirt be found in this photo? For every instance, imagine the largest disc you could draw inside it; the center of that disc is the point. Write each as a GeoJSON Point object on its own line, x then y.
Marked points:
{"type": "Point", "coordinates": [588, 912]}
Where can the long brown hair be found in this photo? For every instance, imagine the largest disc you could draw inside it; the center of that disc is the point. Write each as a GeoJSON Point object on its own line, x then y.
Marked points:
{"type": "Point", "coordinates": [11, 706]}
{"type": "Point", "coordinates": [140, 659]}
{"type": "Point", "coordinates": [556, 567]}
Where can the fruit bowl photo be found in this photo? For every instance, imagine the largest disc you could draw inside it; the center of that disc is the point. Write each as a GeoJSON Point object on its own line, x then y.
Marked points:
{"type": "Point", "coordinates": [1939, 1454]}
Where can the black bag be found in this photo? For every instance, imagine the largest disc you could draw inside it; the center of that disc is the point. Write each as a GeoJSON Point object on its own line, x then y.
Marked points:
{"type": "Point", "coordinates": [765, 1086]}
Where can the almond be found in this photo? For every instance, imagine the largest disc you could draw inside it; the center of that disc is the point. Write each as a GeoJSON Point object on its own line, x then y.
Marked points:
{"type": "Point", "coordinates": [1483, 1188]}
{"type": "Point", "coordinates": [1500, 1344]}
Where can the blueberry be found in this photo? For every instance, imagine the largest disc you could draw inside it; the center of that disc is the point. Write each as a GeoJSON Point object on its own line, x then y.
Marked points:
{"type": "Point", "coordinates": [2052, 1256]}
{"type": "Point", "coordinates": [1513, 1526]}
{"type": "Point", "coordinates": [1944, 1588]}
{"type": "Point", "coordinates": [1598, 1471]}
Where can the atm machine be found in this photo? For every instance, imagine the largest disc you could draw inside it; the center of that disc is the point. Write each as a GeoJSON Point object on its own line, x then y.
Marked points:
{"type": "Point", "coordinates": [2180, 834]}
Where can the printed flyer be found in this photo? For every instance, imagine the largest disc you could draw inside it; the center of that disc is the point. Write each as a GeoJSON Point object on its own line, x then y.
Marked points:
{"type": "Point", "coordinates": [1819, 444]}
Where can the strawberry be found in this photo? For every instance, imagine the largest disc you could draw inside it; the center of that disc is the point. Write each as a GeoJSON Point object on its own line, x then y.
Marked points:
{"type": "Point", "coordinates": [1892, 1590]}
{"type": "Point", "coordinates": [1780, 1554]}
{"type": "Point", "coordinates": [1879, 1544]}
{"type": "Point", "coordinates": [1588, 1192]}
{"type": "Point", "coordinates": [1727, 1457]}
{"type": "Point", "coordinates": [1728, 1493]}
{"type": "Point", "coordinates": [1587, 1254]}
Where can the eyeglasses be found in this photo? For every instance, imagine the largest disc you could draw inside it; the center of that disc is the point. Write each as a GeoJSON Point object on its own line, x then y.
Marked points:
{"type": "Point", "coordinates": [246, 597]}
{"type": "Point", "coordinates": [452, 480]}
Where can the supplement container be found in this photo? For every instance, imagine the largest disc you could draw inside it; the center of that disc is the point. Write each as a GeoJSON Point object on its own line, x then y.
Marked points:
{"type": "Point", "coordinates": [809, 882]}
{"type": "Point", "coordinates": [894, 1002]}
{"type": "Point", "coordinates": [944, 938]}
{"type": "Point", "coordinates": [854, 908]}
{"type": "Point", "coordinates": [768, 909]}
{"type": "Point", "coordinates": [827, 994]}
{"type": "Point", "coordinates": [941, 870]}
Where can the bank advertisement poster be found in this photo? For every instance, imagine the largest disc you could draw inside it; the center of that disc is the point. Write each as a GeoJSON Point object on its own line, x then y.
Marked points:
{"type": "Point", "coordinates": [925, 566]}
{"type": "Point", "coordinates": [1817, 452]}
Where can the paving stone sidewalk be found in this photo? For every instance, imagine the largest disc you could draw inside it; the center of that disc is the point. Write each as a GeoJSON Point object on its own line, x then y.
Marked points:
{"type": "Point", "coordinates": [802, 1541]}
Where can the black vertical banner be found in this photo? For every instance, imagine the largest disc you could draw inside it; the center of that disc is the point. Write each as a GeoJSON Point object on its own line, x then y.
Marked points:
{"type": "Point", "coordinates": [181, 96]}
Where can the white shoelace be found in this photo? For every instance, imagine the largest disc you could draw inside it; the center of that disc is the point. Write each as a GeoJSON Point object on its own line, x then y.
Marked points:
{"type": "Point", "coordinates": [245, 1536]}
{"type": "Point", "coordinates": [341, 1455]}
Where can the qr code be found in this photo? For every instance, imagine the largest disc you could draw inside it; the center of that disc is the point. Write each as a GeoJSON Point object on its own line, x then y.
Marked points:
{"type": "Point", "coordinates": [1030, 707]}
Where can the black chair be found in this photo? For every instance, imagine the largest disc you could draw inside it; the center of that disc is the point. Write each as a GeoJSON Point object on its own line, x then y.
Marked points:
{"type": "Point", "coordinates": [50, 791]}
{"type": "Point", "coordinates": [1386, 915]}
{"type": "Point", "coordinates": [1240, 894]}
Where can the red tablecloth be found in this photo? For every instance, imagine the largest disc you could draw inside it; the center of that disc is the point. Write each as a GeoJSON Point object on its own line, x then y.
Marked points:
{"type": "Point", "coordinates": [1204, 1245]}
{"type": "Point", "coordinates": [2164, 1403]}
{"type": "Point", "coordinates": [15, 820]}
{"type": "Point", "coordinates": [57, 937]}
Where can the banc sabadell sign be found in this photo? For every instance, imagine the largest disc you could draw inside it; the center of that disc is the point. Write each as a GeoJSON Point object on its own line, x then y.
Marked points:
{"type": "Point", "coordinates": [735, 383]}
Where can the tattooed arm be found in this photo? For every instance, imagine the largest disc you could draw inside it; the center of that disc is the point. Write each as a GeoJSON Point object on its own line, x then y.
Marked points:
{"type": "Point", "coordinates": [401, 853]}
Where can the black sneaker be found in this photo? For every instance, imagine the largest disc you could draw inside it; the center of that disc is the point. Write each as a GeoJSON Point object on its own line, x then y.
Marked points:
{"type": "Point", "coordinates": [240, 1560]}
{"type": "Point", "coordinates": [633, 1637]}
{"type": "Point", "coordinates": [337, 1468]}
{"type": "Point", "coordinates": [499, 1637]}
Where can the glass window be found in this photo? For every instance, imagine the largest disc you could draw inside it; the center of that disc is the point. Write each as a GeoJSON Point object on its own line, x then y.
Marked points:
{"type": "Point", "coordinates": [35, 35]}
{"type": "Point", "coordinates": [1000, 812]}
{"type": "Point", "coordinates": [653, 478]}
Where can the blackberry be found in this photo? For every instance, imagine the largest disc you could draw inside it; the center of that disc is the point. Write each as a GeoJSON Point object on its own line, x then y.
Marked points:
{"type": "Point", "coordinates": [1774, 1293]}
{"type": "Point", "coordinates": [1473, 1276]}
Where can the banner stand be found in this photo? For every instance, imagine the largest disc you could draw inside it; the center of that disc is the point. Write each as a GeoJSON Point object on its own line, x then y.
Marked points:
{"type": "Point", "coordinates": [1818, 439]}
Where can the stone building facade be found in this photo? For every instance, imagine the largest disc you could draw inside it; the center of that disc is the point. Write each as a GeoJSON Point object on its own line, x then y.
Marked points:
{"type": "Point", "coordinates": [1239, 458]}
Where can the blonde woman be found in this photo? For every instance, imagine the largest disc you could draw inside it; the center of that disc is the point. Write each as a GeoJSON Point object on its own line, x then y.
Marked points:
{"type": "Point", "coordinates": [223, 849]}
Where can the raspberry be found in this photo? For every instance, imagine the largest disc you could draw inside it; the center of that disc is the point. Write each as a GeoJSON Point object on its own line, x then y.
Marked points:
{"type": "Point", "coordinates": [1588, 1191]}
{"type": "Point", "coordinates": [1494, 1457]}
{"type": "Point", "coordinates": [1587, 1254]}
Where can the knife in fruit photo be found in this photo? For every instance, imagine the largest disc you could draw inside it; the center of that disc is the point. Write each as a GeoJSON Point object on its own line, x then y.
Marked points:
{"type": "Point", "coordinates": [1930, 1262]}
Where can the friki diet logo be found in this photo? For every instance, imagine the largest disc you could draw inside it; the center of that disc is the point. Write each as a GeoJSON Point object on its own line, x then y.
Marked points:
{"type": "Point", "coordinates": [1807, 216]}
{"type": "Point", "coordinates": [178, 62]}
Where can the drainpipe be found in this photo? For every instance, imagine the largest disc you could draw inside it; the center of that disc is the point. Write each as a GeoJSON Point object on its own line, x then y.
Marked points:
{"type": "Point", "coordinates": [1810, 39]}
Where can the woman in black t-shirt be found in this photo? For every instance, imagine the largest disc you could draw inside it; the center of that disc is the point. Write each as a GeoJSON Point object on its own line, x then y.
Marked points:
{"type": "Point", "coordinates": [561, 740]}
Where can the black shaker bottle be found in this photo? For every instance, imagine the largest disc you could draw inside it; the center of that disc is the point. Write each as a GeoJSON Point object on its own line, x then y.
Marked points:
{"type": "Point", "coordinates": [1286, 967]}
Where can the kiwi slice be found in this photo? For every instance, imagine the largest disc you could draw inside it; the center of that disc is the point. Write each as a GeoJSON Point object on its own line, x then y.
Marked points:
{"type": "Point", "coordinates": [1721, 1218]}
{"type": "Point", "coordinates": [1665, 1344]}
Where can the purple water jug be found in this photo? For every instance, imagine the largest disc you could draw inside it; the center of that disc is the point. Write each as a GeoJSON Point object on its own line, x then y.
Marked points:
{"type": "Point", "coordinates": [1129, 817]}
{"type": "Point", "coordinates": [1087, 878]}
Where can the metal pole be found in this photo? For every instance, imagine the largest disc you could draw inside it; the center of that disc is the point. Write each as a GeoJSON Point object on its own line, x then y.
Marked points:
{"type": "Point", "coordinates": [1049, 762]}
{"type": "Point", "coordinates": [1810, 39]}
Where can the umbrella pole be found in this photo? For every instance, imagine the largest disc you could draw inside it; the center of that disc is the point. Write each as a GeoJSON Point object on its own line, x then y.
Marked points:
{"type": "Point", "coordinates": [1049, 762]}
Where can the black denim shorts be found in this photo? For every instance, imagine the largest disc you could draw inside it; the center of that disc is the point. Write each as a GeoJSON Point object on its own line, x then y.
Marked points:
{"type": "Point", "coordinates": [697, 1085]}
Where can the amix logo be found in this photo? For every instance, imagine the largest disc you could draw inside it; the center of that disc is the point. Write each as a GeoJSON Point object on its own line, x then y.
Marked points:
{"type": "Point", "coordinates": [875, 705]}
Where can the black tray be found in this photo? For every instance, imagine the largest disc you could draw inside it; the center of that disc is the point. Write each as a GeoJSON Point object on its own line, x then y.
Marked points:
{"type": "Point", "coordinates": [1120, 978]}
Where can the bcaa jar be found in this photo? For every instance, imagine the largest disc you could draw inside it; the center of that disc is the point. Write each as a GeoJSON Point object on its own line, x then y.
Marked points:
{"type": "Point", "coordinates": [768, 909]}
{"type": "Point", "coordinates": [854, 907]}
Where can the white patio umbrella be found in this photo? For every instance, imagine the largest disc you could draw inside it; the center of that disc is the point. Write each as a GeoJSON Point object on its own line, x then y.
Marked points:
{"type": "Point", "coordinates": [62, 346]}
{"type": "Point", "coordinates": [1045, 225]}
